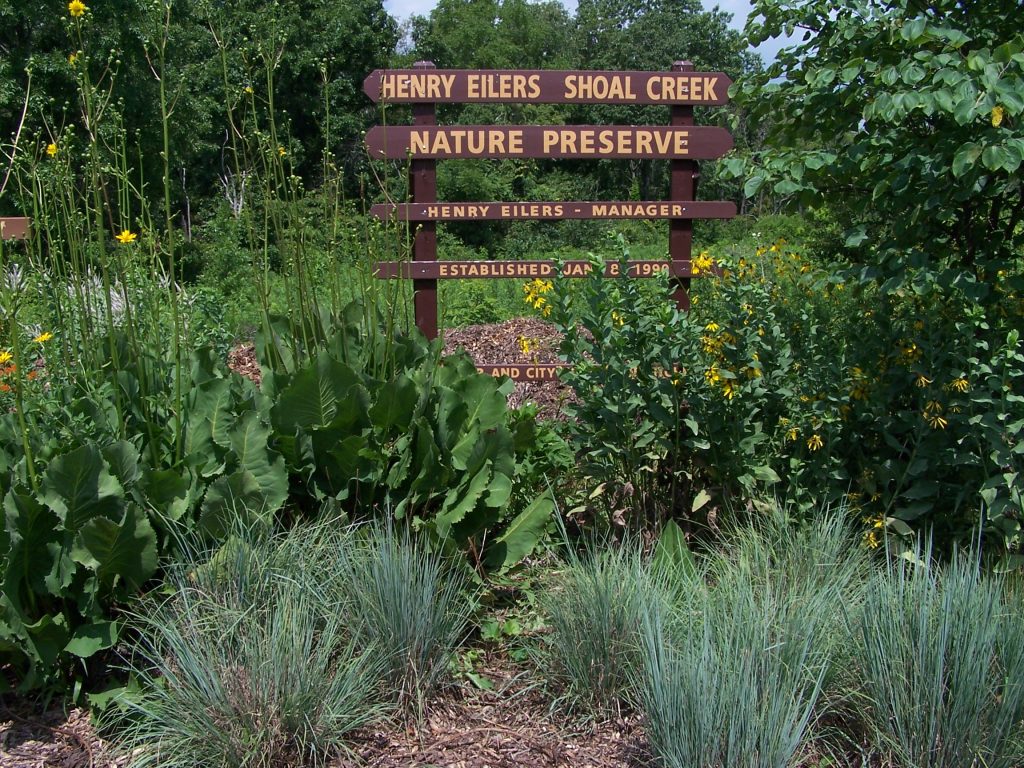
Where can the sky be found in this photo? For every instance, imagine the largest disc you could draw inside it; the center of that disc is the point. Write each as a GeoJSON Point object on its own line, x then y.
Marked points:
{"type": "Point", "coordinates": [402, 9]}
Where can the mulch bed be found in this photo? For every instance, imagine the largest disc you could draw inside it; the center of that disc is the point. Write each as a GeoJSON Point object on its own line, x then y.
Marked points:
{"type": "Point", "coordinates": [511, 725]}
{"type": "Point", "coordinates": [491, 344]}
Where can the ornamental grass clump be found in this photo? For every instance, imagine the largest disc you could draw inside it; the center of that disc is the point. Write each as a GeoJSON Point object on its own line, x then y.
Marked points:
{"type": "Point", "coordinates": [247, 664]}
{"type": "Point", "coordinates": [733, 673]}
{"type": "Point", "coordinates": [399, 596]}
{"type": "Point", "coordinates": [941, 650]}
{"type": "Point", "coordinates": [592, 653]}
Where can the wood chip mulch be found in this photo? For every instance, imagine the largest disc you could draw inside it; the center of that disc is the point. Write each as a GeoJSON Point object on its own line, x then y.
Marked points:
{"type": "Point", "coordinates": [30, 739]}
{"type": "Point", "coordinates": [512, 725]}
{"type": "Point", "coordinates": [491, 344]}
{"type": "Point", "coordinates": [507, 727]}
{"type": "Point", "coordinates": [497, 343]}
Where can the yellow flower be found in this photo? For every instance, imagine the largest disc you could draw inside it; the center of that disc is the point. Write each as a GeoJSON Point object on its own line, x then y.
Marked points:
{"type": "Point", "coordinates": [72, 59]}
{"type": "Point", "coordinates": [871, 540]}
{"type": "Point", "coordinates": [729, 389]}
{"type": "Point", "coordinates": [281, 152]}
{"type": "Point", "coordinates": [5, 357]}
{"type": "Point", "coordinates": [814, 442]}
{"type": "Point", "coordinates": [126, 236]}
{"type": "Point", "coordinates": [711, 375]}
{"type": "Point", "coordinates": [792, 434]}
{"type": "Point", "coordinates": [77, 8]}
{"type": "Point", "coordinates": [702, 263]}
{"type": "Point", "coordinates": [618, 319]}
{"type": "Point", "coordinates": [960, 384]}
{"type": "Point", "coordinates": [922, 381]}
{"type": "Point", "coordinates": [933, 406]}
{"type": "Point", "coordinates": [51, 149]}
{"type": "Point", "coordinates": [248, 89]}
{"type": "Point", "coordinates": [997, 116]}
{"type": "Point", "coordinates": [711, 327]}
{"type": "Point", "coordinates": [43, 337]}
{"type": "Point", "coordinates": [935, 420]}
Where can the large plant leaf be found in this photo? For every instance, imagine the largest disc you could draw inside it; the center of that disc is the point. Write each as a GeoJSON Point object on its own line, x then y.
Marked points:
{"type": "Point", "coordinates": [461, 501]}
{"type": "Point", "coordinates": [118, 552]}
{"type": "Point", "coordinates": [249, 443]}
{"type": "Point", "coordinates": [523, 533]}
{"type": "Point", "coordinates": [166, 492]}
{"type": "Point", "coordinates": [33, 559]}
{"type": "Point", "coordinates": [312, 398]}
{"type": "Point", "coordinates": [395, 404]}
{"type": "Point", "coordinates": [232, 498]}
{"type": "Point", "coordinates": [78, 486]}
{"type": "Point", "coordinates": [123, 461]}
{"type": "Point", "coordinates": [90, 639]}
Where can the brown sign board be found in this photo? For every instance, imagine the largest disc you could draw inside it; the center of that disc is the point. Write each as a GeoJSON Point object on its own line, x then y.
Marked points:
{"type": "Point", "coordinates": [523, 270]}
{"type": "Point", "coordinates": [595, 142]}
{"type": "Point", "coordinates": [14, 227]}
{"type": "Point", "coordinates": [565, 210]}
{"type": "Point", "coordinates": [545, 87]}
{"type": "Point", "coordinates": [519, 372]}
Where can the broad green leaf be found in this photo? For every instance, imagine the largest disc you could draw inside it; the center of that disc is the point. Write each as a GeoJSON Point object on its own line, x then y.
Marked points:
{"type": "Point", "coordinates": [462, 500]}
{"type": "Point", "coordinates": [671, 554]}
{"type": "Point", "coordinates": [701, 499]}
{"type": "Point", "coordinates": [123, 460]}
{"type": "Point", "coordinates": [230, 499]}
{"type": "Point", "coordinates": [523, 534]}
{"type": "Point", "coordinates": [33, 558]}
{"type": "Point", "coordinates": [249, 441]}
{"type": "Point", "coordinates": [90, 639]}
{"type": "Point", "coordinates": [395, 404]}
{"type": "Point", "coordinates": [166, 492]}
{"type": "Point", "coordinates": [78, 486]}
{"type": "Point", "coordinates": [313, 397]}
{"type": "Point", "coordinates": [124, 551]}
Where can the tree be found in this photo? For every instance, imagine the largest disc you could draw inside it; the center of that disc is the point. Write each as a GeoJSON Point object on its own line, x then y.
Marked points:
{"type": "Point", "coordinates": [908, 114]}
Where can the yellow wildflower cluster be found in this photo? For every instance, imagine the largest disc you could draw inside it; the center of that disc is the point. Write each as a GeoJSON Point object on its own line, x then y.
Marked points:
{"type": "Point", "coordinates": [908, 353]}
{"type": "Point", "coordinates": [703, 263]}
{"type": "Point", "coordinates": [873, 538]}
{"type": "Point", "coordinates": [959, 384]}
{"type": "Point", "coordinates": [859, 384]}
{"type": "Point", "coordinates": [814, 442]}
{"type": "Point", "coordinates": [534, 295]}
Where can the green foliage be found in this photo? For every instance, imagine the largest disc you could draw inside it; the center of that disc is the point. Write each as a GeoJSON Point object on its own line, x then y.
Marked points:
{"type": "Point", "coordinates": [942, 658]}
{"type": "Point", "coordinates": [248, 662]}
{"type": "Point", "coordinates": [784, 375]}
{"type": "Point", "coordinates": [908, 117]}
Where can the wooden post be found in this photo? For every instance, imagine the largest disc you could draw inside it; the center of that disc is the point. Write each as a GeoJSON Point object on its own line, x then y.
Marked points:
{"type": "Point", "coordinates": [423, 183]}
{"type": "Point", "coordinates": [683, 186]}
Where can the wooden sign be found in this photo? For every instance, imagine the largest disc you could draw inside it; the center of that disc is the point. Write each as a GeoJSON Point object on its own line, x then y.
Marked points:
{"type": "Point", "coordinates": [14, 227]}
{"type": "Point", "coordinates": [523, 270]}
{"type": "Point", "coordinates": [519, 372]}
{"type": "Point", "coordinates": [538, 210]}
{"type": "Point", "coordinates": [394, 86]}
{"type": "Point", "coordinates": [596, 142]}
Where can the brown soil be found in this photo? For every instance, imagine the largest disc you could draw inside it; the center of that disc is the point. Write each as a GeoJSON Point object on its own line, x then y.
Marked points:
{"type": "Point", "coordinates": [487, 345]}
{"type": "Point", "coordinates": [511, 725]}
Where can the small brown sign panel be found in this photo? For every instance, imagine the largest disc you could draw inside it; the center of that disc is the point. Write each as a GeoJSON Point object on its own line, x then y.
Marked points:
{"type": "Point", "coordinates": [14, 227]}
{"type": "Point", "coordinates": [541, 210]}
{"type": "Point", "coordinates": [523, 270]}
{"type": "Point", "coordinates": [519, 372]}
{"type": "Point", "coordinates": [595, 142]}
{"type": "Point", "coordinates": [461, 86]}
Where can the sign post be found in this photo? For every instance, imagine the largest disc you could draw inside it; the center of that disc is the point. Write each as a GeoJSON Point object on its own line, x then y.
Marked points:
{"type": "Point", "coordinates": [424, 142]}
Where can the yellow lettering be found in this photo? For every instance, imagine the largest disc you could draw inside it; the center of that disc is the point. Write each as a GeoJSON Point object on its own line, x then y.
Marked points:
{"type": "Point", "coordinates": [419, 142]}
{"type": "Point", "coordinates": [534, 87]}
{"type": "Point", "coordinates": [709, 88]}
{"type": "Point", "coordinates": [446, 82]}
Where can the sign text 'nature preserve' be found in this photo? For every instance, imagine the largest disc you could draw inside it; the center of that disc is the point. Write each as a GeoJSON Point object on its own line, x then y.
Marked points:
{"type": "Point", "coordinates": [425, 142]}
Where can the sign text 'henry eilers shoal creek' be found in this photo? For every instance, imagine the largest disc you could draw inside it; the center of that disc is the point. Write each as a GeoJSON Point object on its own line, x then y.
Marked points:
{"type": "Point", "coordinates": [546, 87]}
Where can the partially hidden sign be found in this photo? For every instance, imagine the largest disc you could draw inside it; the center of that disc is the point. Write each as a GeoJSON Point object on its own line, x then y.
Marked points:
{"type": "Point", "coordinates": [410, 86]}
{"type": "Point", "coordinates": [549, 141]}
{"type": "Point", "coordinates": [525, 269]}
